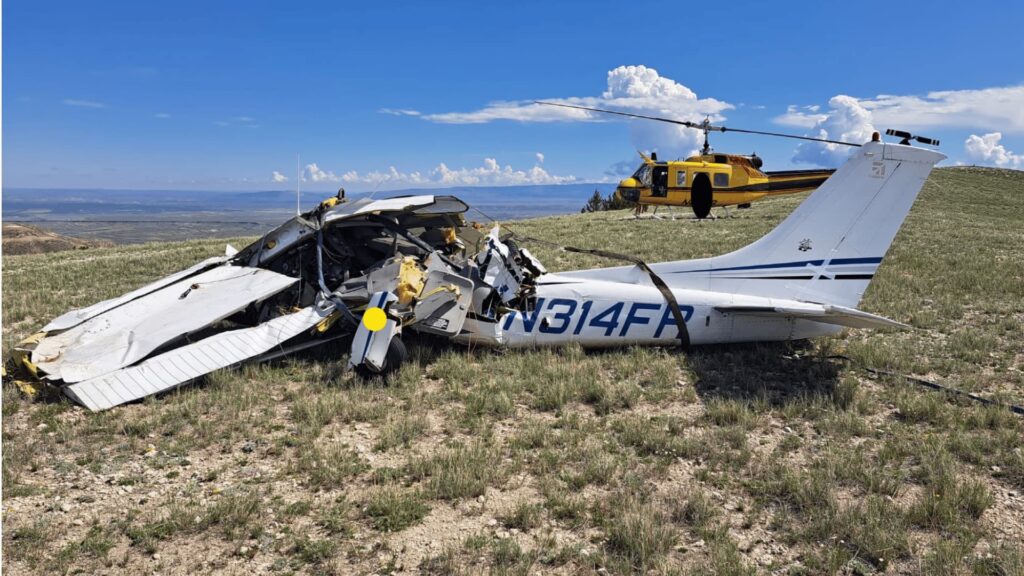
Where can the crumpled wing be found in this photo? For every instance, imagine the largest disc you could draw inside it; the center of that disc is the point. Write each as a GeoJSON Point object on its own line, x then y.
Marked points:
{"type": "Point", "coordinates": [181, 365]}
{"type": "Point", "coordinates": [76, 317]}
{"type": "Point", "coordinates": [128, 333]}
{"type": "Point", "coordinates": [827, 313]}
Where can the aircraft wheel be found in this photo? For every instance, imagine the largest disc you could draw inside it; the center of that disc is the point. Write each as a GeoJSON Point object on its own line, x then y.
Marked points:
{"type": "Point", "coordinates": [393, 360]}
{"type": "Point", "coordinates": [701, 195]}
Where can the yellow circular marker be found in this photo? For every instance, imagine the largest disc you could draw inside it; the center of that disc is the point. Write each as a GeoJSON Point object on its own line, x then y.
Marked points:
{"type": "Point", "coordinates": [374, 319]}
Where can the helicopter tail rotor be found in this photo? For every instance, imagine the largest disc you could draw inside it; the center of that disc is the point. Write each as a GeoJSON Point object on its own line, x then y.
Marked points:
{"type": "Point", "coordinates": [907, 137]}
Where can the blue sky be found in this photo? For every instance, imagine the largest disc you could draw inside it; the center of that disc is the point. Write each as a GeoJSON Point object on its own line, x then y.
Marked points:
{"type": "Point", "coordinates": [221, 95]}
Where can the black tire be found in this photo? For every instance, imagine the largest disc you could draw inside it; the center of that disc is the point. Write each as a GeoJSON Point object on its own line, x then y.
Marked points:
{"type": "Point", "coordinates": [701, 195]}
{"type": "Point", "coordinates": [393, 360]}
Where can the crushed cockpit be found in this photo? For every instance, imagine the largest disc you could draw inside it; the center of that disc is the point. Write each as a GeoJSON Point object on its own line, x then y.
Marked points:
{"type": "Point", "coordinates": [365, 269]}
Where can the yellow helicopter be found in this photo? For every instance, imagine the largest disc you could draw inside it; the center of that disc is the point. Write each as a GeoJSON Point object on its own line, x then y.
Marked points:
{"type": "Point", "coordinates": [710, 179]}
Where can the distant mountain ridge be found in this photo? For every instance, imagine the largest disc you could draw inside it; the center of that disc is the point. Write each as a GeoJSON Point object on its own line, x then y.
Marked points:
{"type": "Point", "coordinates": [33, 204]}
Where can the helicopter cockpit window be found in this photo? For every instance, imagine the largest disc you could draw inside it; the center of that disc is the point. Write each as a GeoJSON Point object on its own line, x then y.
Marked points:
{"type": "Point", "coordinates": [681, 178]}
{"type": "Point", "coordinates": [643, 175]}
{"type": "Point", "coordinates": [721, 179]}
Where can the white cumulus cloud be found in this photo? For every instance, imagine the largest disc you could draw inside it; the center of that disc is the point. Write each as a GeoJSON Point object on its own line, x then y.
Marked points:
{"type": "Point", "coordinates": [83, 103]}
{"type": "Point", "coordinates": [318, 175]}
{"type": "Point", "coordinates": [1000, 108]}
{"type": "Point", "coordinates": [491, 173]}
{"type": "Point", "coordinates": [278, 177]}
{"type": "Point", "coordinates": [997, 109]}
{"type": "Point", "coordinates": [987, 150]}
{"type": "Point", "coordinates": [847, 121]}
{"type": "Point", "coordinates": [801, 116]}
{"type": "Point", "coordinates": [540, 157]}
{"type": "Point", "coordinates": [637, 89]}
{"type": "Point", "coordinates": [987, 108]}
{"type": "Point", "coordinates": [399, 111]}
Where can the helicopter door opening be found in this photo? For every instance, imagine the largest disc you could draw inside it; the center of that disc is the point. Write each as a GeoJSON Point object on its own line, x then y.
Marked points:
{"type": "Point", "coordinates": [701, 195]}
{"type": "Point", "coordinates": [659, 184]}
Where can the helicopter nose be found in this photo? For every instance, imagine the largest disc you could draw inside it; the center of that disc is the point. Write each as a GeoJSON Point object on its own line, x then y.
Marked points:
{"type": "Point", "coordinates": [629, 190]}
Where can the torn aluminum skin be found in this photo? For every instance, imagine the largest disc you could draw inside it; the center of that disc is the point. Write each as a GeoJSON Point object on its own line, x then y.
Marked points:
{"type": "Point", "coordinates": [304, 283]}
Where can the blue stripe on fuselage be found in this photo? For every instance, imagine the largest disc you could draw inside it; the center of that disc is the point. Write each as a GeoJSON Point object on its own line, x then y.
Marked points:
{"type": "Point", "coordinates": [836, 262]}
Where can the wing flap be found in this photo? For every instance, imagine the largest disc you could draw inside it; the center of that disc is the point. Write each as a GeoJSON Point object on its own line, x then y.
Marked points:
{"type": "Point", "coordinates": [182, 365]}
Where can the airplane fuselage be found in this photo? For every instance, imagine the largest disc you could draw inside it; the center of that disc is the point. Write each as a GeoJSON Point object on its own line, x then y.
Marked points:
{"type": "Point", "coordinates": [596, 313]}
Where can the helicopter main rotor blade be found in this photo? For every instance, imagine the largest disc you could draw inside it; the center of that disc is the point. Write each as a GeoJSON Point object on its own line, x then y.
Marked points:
{"type": "Point", "coordinates": [781, 135]}
{"type": "Point", "coordinates": [669, 120]}
{"type": "Point", "coordinates": [699, 126]}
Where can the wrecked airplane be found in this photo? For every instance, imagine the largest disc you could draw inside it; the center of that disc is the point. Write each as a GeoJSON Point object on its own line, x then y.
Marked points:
{"type": "Point", "coordinates": [376, 271]}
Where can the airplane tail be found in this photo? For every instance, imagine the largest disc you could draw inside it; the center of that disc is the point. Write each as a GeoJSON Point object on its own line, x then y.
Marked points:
{"type": "Point", "coordinates": [828, 249]}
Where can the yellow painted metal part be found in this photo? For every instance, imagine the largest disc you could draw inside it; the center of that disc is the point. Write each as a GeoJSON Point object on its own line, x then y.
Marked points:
{"type": "Point", "coordinates": [325, 324]}
{"type": "Point", "coordinates": [27, 388]}
{"type": "Point", "coordinates": [21, 356]}
{"type": "Point", "coordinates": [330, 202]}
{"type": "Point", "coordinates": [410, 280]}
{"type": "Point", "coordinates": [446, 288]}
{"type": "Point", "coordinates": [745, 182]}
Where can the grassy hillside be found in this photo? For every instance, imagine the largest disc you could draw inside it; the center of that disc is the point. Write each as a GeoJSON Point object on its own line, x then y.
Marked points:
{"type": "Point", "coordinates": [730, 459]}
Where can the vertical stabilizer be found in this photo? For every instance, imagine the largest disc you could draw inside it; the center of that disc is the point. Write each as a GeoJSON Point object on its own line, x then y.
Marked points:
{"type": "Point", "coordinates": [828, 249]}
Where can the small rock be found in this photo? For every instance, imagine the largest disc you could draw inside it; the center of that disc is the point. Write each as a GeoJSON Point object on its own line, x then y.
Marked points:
{"type": "Point", "coordinates": [492, 522]}
{"type": "Point", "coordinates": [77, 522]}
{"type": "Point", "coordinates": [996, 469]}
{"type": "Point", "coordinates": [248, 447]}
{"type": "Point", "coordinates": [699, 543]}
{"type": "Point", "coordinates": [156, 556]}
{"type": "Point", "coordinates": [243, 551]}
{"type": "Point", "coordinates": [65, 507]}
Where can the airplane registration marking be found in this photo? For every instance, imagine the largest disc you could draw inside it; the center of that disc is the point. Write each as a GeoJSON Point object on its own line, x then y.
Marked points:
{"type": "Point", "coordinates": [610, 318]}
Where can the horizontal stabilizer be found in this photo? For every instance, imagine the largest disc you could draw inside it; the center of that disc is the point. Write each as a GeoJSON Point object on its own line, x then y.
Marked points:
{"type": "Point", "coordinates": [827, 313]}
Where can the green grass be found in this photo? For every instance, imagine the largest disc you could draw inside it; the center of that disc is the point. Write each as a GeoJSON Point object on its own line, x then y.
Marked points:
{"type": "Point", "coordinates": [771, 458]}
{"type": "Point", "coordinates": [393, 510]}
